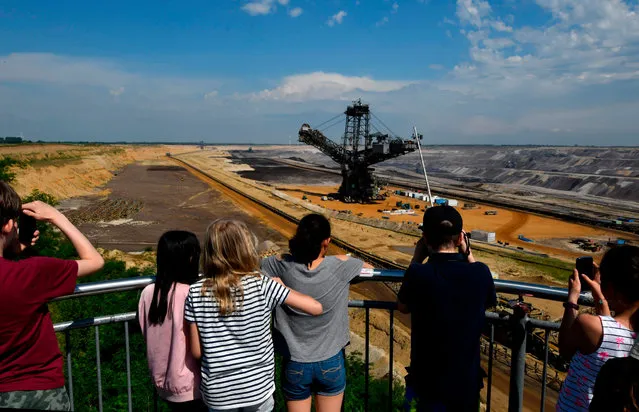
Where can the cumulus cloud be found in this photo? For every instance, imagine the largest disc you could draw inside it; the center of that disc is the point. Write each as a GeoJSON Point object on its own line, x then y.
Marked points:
{"type": "Point", "coordinates": [336, 18]}
{"type": "Point", "coordinates": [586, 43]}
{"type": "Point", "coordinates": [326, 86]}
{"type": "Point", "coordinates": [210, 95]}
{"type": "Point", "coordinates": [394, 7]}
{"type": "Point", "coordinates": [472, 11]}
{"type": "Point", "coordinates": [116, 92]}
{"type": "Point", "coordinates": [259, 8]}
{"type": "Point", "coordinates": [382, 22]}
{"type": "Point", "coordinates": [295, 12]}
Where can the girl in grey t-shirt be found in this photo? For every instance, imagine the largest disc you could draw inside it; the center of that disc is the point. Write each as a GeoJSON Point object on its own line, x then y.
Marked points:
{"type": "Point", "coordinates": [313, 347]}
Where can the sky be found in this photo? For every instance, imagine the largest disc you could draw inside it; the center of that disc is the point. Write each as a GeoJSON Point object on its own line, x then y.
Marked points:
{"type": "Point", "coordinates": [252, 71]}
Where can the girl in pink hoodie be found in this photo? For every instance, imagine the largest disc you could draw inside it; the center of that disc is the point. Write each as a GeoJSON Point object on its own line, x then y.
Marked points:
{"type": "Point", "coordinates": [175, 373]}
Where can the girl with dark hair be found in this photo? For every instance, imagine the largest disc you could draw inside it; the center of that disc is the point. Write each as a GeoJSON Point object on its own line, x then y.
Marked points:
{"type": "Point", "coordinates": [174, 371]}
{"type": "Point", "coordinates": [313, 347]}
{"type": "Point", "coordinates": [594, 340]}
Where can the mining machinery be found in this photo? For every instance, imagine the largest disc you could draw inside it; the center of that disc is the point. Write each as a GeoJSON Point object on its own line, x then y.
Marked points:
{"type": "Point", "coordinates": [358, 150]}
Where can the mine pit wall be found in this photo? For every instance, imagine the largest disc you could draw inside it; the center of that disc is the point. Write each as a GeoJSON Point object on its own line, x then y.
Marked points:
{"type": "Point", "coordinates": [478, 196]}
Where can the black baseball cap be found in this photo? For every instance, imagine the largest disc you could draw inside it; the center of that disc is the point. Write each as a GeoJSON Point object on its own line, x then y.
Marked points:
{"type": "Point", "coordinates": [442, 220]}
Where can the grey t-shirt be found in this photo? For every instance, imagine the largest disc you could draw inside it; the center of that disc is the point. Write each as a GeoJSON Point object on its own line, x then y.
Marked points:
{"type": "Point", "coordinates": [314, 338]}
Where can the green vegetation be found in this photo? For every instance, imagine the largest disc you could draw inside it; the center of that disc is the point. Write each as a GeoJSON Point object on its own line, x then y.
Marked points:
{"type": "Point", "coordinates": [113, 351]}
{"type": "Point", "coordinates": [63, 156]}
{"type": "Point", "coordinates": [546, 266]}
{"type": "Point", "coordinates": [6, 163]}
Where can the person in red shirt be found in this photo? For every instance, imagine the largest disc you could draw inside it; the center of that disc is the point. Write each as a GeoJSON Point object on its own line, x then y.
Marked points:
{"type": "Point", "coordinates": [31, 364]}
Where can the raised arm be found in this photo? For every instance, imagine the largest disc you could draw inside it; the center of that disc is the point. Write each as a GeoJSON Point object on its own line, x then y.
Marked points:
{"type": "Point", "coordinates": [90, 260]}
{"type": "Point", "coordinates": [577, 332]}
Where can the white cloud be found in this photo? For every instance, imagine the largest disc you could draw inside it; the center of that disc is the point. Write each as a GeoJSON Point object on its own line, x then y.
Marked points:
{"type": "Point", "coordinates": [326, 86]}
{"type": "Point", "coordinates": [395, 7]}
{"type": "Point", "coordinates": [283, 2]}
{"type": "Point", "coordinates": [587, 42]}
{"type": "Point", "coordinates": [501, 26]}
{"type": "Point", "coordinates": [498, 43]}
{"type": "Point", "coordinates": [259, 8]}
{"type": "Point", "coordinates": [472, 12]}
{"type": "Point", "coordinates": [116, 92]}
{"type": "Point", "coordinates": [210, 95]}
{"type": "Point", "coordinates": [336, 18]}
{"type": "Point", "coordinates": [295, 12]}
{"type": "Point", "coordinates": [382, 22]}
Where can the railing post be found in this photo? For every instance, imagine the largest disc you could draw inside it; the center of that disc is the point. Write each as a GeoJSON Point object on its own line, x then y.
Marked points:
{"type": "Point", "coordinates": [67, 344]}
{"type": "Point", "coordinates": [98, 366]}
{"type": "Point", "coordinates": [390, 361]}
{"type": "Point", "coordinates": [491, 354]}
{"type": "Point", "coordinates": [128, 367]}
{"type": "Point", "coordinates": [366, 359]}
{"type": "Point", "coordinates": [519, 321]}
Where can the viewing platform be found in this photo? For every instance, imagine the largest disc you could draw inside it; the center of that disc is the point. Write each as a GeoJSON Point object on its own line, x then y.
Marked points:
{"type": "Point", "coordinates": [511, 352]}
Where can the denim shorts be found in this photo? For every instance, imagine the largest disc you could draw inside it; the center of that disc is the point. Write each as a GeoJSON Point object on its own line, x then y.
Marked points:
{"type": "Point", "coordinates": [327, 378]}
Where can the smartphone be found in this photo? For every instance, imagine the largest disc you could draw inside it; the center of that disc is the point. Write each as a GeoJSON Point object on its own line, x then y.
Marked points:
{"type": "Point", "coordinates": [26, 229]}
{"type": "Point", "coordinates": [585, 266]}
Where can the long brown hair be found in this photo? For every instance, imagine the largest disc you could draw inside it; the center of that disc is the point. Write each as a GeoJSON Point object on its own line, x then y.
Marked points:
{"type": "Point", "coordinates": [230, 252]}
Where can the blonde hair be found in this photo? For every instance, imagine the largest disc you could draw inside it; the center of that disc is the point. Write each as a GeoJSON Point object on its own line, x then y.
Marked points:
{"type": "Point", "coordinates": [230, 252]}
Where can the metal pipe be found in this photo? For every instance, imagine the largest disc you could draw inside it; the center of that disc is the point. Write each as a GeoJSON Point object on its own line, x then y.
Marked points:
{"type": "Point", "coordinates": [106, 286]}
{"type": "Point", "coordinates": [491, 348]}
{"type": "Point", "coordinates": [390, 362]}
{"type": "Point", "coordinates": [67, 345]}
{"type": "Point", "coordinates": [100, 320]}
{"type": "Point", "coordinates": [99, 366]}
{"type": "Point", "coordinates": [128, 366]}
{"type": "Point", "coordinates": [518, 324]}
{"type": "Point", "coordinates": [544, 374]}
{"type": "Point", "coordinates": [378, 275]}
{"type": "Point", "coordinates": [421, 156]}
{"type": "Point", "coordinates": [366, 359]}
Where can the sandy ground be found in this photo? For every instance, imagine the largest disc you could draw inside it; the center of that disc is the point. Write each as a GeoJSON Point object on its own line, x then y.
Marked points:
{"type": "Point", "coordinates": [171, 198]}
{"type": "Point", "coordinates": [77, 170]}
{"type": "Point", "coordinates": [549, 234]}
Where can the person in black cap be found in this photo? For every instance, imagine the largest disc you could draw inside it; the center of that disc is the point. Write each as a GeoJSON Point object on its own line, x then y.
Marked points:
{"type": "Point", "coordinates": [447, 298]}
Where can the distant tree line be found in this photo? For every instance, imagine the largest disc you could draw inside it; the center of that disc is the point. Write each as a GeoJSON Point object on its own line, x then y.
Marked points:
{"type": "Point", "coordinates": [11, 140]}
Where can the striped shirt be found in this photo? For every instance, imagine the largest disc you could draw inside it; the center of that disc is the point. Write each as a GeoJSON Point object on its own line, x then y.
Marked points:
{"type": "Point", "coordinates": [238, 366]}
{"type": "Point", "coordinates": [576, 392]}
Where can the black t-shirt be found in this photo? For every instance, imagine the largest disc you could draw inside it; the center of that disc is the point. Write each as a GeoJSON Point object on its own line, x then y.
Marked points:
{"type": "Point", "coordinates": [447, 298]}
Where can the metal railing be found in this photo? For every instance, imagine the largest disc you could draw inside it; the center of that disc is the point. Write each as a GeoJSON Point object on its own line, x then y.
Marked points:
{"type": "Point", "coordinates": [517, 324]}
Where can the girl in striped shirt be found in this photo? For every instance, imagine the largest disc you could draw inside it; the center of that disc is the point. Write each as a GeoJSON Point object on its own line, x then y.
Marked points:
{"type": "Point", "coordinates": [593, 340]}
{"type": "Point", "coordinates": [229, 312]}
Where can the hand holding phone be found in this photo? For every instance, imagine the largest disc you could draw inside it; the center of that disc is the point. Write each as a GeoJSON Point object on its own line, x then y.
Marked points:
{"type": "Point", "coordinates": [26, 229]}
{"type": "Point", "coordinates": [585, 266]}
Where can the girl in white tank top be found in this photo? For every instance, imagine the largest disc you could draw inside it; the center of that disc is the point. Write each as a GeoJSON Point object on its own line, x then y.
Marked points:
{"type": "Point", "coordinates": [576, 392]}
{"type": "Point", "coordinates": [593, 340]}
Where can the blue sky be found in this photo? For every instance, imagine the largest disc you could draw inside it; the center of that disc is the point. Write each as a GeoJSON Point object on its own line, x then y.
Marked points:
{"type": "Point", "coordinates": [465, 71]}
